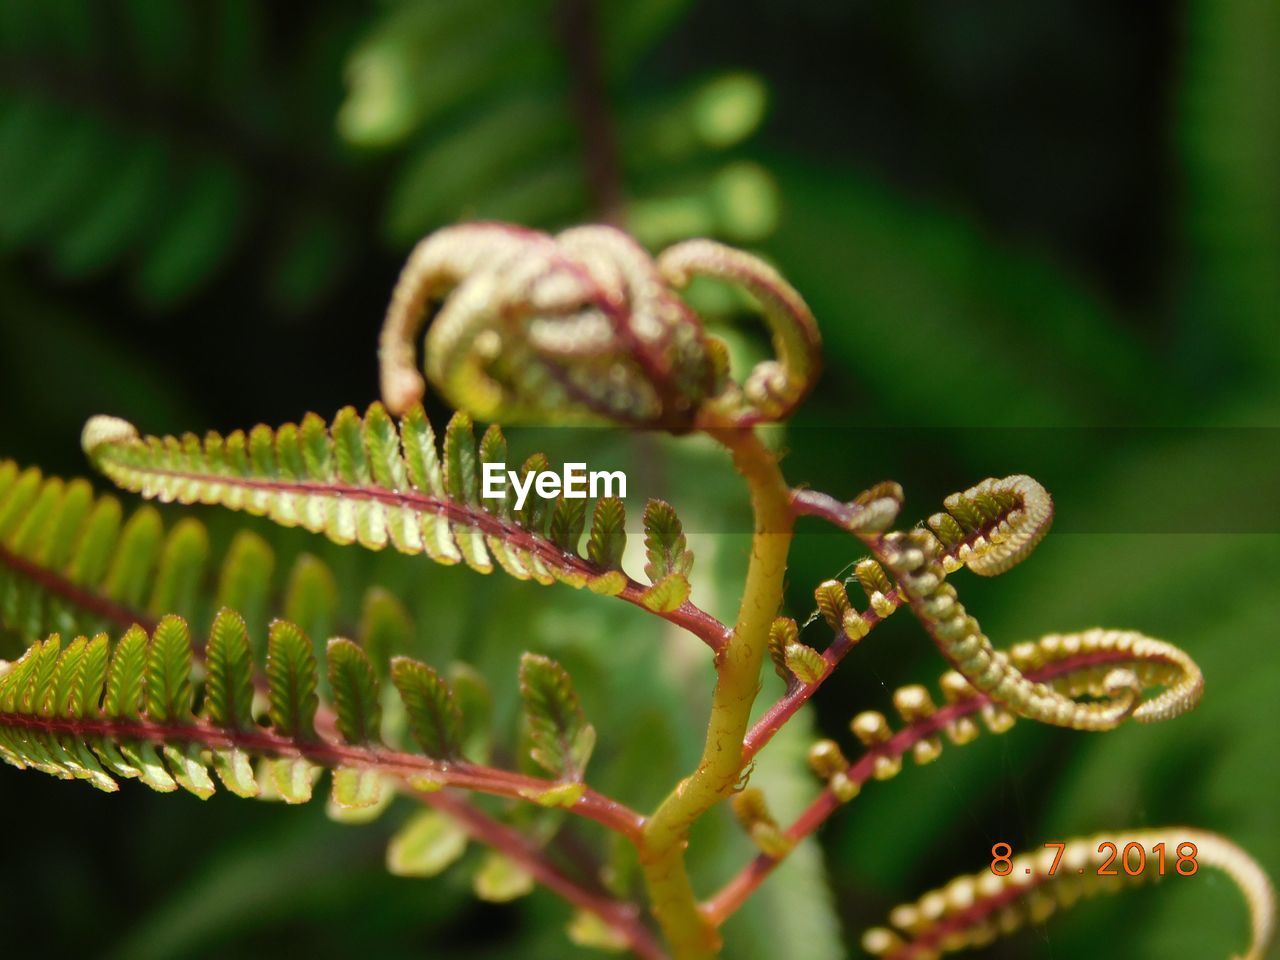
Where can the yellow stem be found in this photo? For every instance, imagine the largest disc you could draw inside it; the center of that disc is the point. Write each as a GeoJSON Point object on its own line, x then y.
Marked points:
{"type": "Point", "coordinates": [672, 900]}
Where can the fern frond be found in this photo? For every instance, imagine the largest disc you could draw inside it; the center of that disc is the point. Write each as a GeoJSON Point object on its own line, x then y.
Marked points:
{"type": "Point", "coordinates": [363, 480]}
{"type": "Point", "coordinates": [752, 813]}
{"type": "Point", "coordinates": [774, 388]}
{"type": "Point", "coordinates": [1094, 663]}
{"type": "Point", "coordinates": [664, 542]}
{"type": "Point", "coordinates": [433, 713]}
{"type": "Point", "coordinates": [975, 909]}
{"type": "Point", "coordinates": [69, 713]}
{"type": "Point", "coordinates": [89, 569]}
{"type": "Point", "coordinates": [994, 525]}
{"type": "Point", "coordinates": [917, 566]}
{"type": "Point", "coordinates": [989, 527]}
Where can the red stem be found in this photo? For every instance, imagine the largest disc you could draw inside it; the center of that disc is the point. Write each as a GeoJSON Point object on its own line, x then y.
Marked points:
{"type": "Point", "coordinates": [798, 694]}
{"type": "Point", "coordinates": [326, 753]}
{"type": "Point", "coordinates": [734, 893]}
{"type": "Point", "coordinates": [621, 917]}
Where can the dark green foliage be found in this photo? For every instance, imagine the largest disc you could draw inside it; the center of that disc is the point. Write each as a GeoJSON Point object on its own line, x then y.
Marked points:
{"type": "Point", "coordinates": [562, 740]}
{"type": "Point", "coordinates": [100, 171]}
{"type": "Point", "coordinates": [55, 704]}
{"type": "Point", "coordinates": [483, 125]}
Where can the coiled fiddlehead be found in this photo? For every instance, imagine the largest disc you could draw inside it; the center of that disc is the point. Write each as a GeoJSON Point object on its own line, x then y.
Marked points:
{"type": "Point", "coordinates": [586, 326]}
{"type": "Point", "coordinates": [989, 528]}
{"type": "Point", "coordinates": [534, 326]}
{"type": "Point", "coordinates": [1072, 665]}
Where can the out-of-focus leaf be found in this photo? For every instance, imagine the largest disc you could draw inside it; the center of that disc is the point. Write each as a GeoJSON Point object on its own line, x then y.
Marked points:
{"type": "Point", "coordinates": [426, 845]}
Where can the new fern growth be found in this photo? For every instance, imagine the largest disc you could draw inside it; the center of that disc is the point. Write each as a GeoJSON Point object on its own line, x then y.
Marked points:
{"type": "Point", "coordinates": [125, 676]}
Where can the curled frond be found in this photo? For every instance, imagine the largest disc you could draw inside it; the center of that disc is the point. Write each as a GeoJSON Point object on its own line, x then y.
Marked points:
{"type": "Point", "coordinates": [774, 388]}
{"type": "Point", "coordinates": [973, 910]}
{"type": "Point", "coordinates": [994, 525]}
{"type": "Point", "coordinates": [870, 512]}
{"type": "Point", "coordinates": [371, 481]}
{"type": "Point", "coordinates": [586, 326]}
{"type": "Point", "coordinates": [534, 327]}
{"type": "Point", "coordinates": [916, 562]}
{"type": "Point", "coordinates": [1092, 663]}
{"type": "Point", "coordinates": [97, 714]}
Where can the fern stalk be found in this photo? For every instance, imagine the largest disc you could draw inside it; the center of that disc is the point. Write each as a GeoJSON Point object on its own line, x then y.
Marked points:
{"type": "Point", "coordinates": [737, 679]}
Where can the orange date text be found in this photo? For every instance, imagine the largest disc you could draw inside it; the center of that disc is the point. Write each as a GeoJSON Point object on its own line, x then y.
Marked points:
{"type": "Point", "coordinates": [1109, 860]}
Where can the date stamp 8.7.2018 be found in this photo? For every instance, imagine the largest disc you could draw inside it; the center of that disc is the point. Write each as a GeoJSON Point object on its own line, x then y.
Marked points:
{"type": "Point", "coordinates": [1110, 859]}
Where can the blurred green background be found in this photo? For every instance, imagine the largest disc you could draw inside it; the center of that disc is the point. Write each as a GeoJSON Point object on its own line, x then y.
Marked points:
{"type": "Point", "coordinates": [1039, 238]}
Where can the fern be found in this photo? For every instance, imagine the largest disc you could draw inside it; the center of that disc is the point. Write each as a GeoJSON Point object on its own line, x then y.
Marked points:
{"type": "Point", "coordinates": [562, 739]}
{"type": "Point", "coordinates": [363, 480]}
{"type": "Point", "coordinates": [72, 563]}
{"type": "Point", "coordinates": [71, 713]}
{"type": "Point", "coordinates": [181, 714]}
{"type": "Point", "coordinates": [136, 185]}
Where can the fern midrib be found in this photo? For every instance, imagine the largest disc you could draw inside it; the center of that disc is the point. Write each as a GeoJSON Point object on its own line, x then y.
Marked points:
{"type": "Point", "coordinates": [83, 597]}
{"type": "Point", "coordinates": [324, 753]}
{"type": "Point", "coordinates": [687, 615]}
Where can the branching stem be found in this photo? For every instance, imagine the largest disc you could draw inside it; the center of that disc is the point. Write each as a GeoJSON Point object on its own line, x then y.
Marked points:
{"type": "Point", "coordinates": [798, 693]}
{"type": "Point", "coordinates": [734, 893]}
{"type": "Point", "coordinates": [671, 895]}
